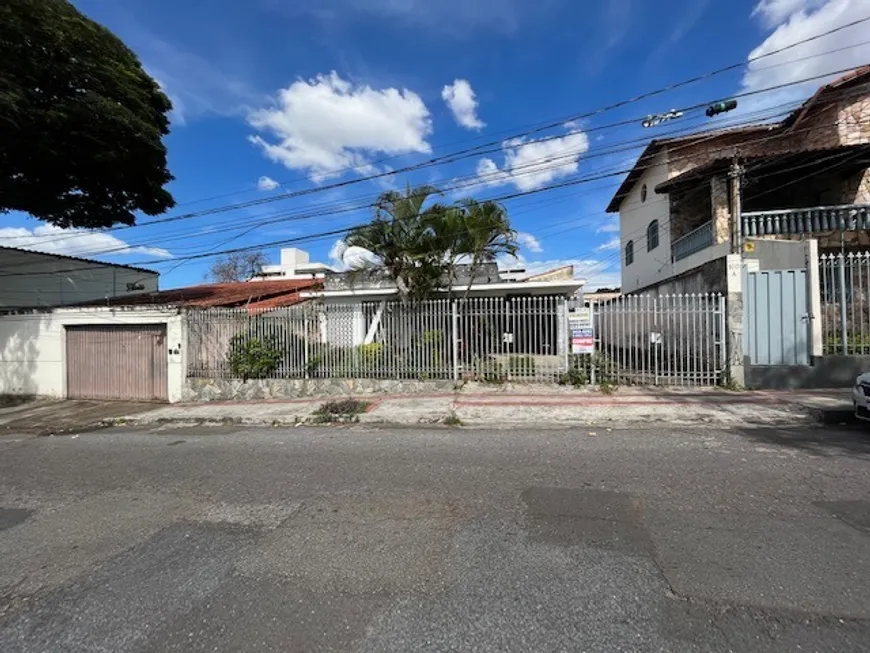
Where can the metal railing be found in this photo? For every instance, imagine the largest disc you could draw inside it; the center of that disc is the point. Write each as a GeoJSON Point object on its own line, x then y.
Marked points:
{"type": "Point", "coordinates": [663, 340]}
{"type": "Point", "coordinates": [666, 340]}
{"type": "Point", "coordinates": [849, 217]}
{"type": "Point", "coordinates": [487, 339]}
{"type": "Point", "coordinates": [844, 281]}
{"type": "Point", "coordinates": [696, 240]}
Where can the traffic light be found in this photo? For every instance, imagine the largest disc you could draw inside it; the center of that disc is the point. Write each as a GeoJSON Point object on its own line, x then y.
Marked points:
{"type": "Point", "coordinates": [721, 107]}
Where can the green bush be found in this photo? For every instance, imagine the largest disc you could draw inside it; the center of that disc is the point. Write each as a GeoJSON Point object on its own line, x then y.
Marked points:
{"type": "Point", "coordinates": [371, 356]}
{"type": "Point", "coordinates": [575, 376]}
{"type": "Point", "coordinates": [251, 357]}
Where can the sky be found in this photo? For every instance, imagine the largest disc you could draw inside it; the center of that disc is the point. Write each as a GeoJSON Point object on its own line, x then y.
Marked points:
{"type": "Point", "coordinates": [338, 98]}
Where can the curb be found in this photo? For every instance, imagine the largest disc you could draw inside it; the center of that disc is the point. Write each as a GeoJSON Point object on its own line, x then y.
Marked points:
{"type": "Point", "coordinates": [833, 416]}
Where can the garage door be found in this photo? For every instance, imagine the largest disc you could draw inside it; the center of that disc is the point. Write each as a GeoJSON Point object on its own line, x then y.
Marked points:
{"type": "Point", "coordinates": [117, 362]}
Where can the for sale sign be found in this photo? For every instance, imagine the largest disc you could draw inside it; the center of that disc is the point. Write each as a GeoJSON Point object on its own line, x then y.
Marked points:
{"type": "Point", "coordinates": [582, 331]}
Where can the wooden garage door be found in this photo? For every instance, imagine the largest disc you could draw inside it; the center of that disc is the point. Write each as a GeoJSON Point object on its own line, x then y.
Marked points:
{"type": "Point", "coordinates": [117, 362]}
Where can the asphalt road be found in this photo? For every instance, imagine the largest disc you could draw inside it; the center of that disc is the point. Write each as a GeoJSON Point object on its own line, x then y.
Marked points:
{"type": "Point", "coordinates": [358, 539]}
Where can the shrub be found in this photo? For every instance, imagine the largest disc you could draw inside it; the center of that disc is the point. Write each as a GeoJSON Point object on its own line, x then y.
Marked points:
{"type": "Point", "coordinates": [370, 356]}
{"type": "Point", "coordinates": [576, 377]}
{"type": "Point", "coordinates": [251, 357]}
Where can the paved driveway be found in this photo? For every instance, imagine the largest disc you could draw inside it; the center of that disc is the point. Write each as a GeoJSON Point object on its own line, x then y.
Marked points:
{"type": "Point", "coordinates": [358, 539]}
{"type": "Point", "coordinates": [43, 416]}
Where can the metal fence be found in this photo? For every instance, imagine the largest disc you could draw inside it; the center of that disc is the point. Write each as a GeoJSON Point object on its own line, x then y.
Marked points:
{"type": "Point", "coordinates": [670, 340]}
{"type": "Point", "coordinates": [844, 281]}
{"type": "Point", "coordinates": [488, 339]}
{"type": "Point", "coordinates": [695, 241]}
{"type": "Point", "coordinates": [659, 340]}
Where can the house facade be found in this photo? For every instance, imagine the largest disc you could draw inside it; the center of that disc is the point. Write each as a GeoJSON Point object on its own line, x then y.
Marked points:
{"type": "Point", "coordinates": [37, 280]}
{"type": "Point", "coordinates": [691, 201]}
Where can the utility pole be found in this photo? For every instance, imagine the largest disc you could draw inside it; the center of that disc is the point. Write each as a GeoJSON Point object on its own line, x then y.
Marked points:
{"type": "Point", "coordinates": [736, 176]}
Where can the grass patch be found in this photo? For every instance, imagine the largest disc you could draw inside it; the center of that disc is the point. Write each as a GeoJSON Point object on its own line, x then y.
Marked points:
{"type": "Point", "coordinates": [344, 410]}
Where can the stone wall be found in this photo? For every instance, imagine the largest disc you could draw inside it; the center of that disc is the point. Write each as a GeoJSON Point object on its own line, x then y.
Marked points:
{"type": "Point", "coordinates": [206, 390]}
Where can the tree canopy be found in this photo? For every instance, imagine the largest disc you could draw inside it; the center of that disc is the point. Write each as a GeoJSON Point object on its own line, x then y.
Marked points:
{"type": "Point", "coordinates": [420, 243]}
{"type": "Point", "coordinates": [238, 266]}
{"type": "Point", "coordinates": [81, 122]}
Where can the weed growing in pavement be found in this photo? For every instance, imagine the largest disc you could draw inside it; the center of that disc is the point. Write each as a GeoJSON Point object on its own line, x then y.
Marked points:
{"type": "Point", "coordinates": [343, 411]}
{"type": "Point", "coordinates": [452, 419]}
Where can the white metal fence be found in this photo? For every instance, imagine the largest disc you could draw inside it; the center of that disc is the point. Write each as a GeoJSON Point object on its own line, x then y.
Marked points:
{"type": "Point", "coordinates": [638, 340]}
{"type": "Point", "coordinates": [659, 340]}
{"type": "Point", "coordinates": [844, 281]}
{"type": "Point", "coordinates": [488, 339]}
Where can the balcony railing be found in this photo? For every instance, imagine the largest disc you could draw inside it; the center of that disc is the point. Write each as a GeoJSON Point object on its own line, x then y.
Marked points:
{"type": "Point", "coordinates": [693, 242]}
{"type": "Point", "coordinates": [851, 217]}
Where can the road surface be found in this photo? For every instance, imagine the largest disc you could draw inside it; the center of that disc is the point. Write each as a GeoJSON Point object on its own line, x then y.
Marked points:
{"type": "Point", "coordinates": [364, 539]}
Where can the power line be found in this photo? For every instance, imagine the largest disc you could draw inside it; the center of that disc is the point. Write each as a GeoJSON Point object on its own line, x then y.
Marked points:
{"type": "Point", "coordinates": [313, 237]}
{"type": "Point", "coordinates": [452, 158]}
{"type": "Point", "coordinates": [535, 167]}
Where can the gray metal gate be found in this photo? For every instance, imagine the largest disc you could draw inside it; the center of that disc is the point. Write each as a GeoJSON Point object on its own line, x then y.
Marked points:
{"type": "Point", "coordinates": [776, 324]}
{"type": "Point", "coordinates": [117, 362]}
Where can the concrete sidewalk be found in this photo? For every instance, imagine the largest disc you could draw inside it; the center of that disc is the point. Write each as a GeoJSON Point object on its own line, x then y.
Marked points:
{"type": "Point", "coordinates": [677, 406]}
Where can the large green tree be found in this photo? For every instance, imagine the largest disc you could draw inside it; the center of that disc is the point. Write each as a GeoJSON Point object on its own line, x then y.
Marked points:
{"type": "Point", "coordinates": [81, 122]}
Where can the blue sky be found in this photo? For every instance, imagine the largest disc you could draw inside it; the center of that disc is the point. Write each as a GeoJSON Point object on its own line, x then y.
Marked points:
{"type": "Point", "coordinates": [274, 96]}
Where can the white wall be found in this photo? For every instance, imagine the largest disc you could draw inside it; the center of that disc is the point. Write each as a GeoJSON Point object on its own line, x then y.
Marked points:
{"type": "Point", "coordinates": [634, 217]}
{"type": "Point", "coordinates": [31, 279]}
{"type": "Point", "coordinates": [33, 347]}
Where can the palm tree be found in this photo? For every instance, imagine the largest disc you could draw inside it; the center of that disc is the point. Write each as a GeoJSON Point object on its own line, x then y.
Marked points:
{"type": "Point", "coordinates": [402, 237]}
{"type": "Point", "coordinates": [420, 246]}
{"type": "Point", "coordinates": [487, 235]}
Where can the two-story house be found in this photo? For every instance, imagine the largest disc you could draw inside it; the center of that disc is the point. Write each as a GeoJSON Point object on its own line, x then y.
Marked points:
{"type": "Point", "coordinates": [689, 201]}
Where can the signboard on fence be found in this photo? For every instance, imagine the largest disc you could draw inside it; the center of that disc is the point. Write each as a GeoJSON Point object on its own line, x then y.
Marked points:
{"type": "Point", "coordinates": [582, 332]}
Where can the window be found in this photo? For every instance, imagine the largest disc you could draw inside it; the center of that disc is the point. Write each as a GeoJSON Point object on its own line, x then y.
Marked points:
{"type": "Point", "coordinates": [629, 252]}
{"type": "Point", "coordinates": [652, 235]}
{"type": "Point", "coordinates": [643, 194]}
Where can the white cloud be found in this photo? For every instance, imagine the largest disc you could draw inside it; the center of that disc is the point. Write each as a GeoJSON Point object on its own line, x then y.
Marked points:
{"type": "Point", "coordinates": [610, 245]}
{"type": "Point", "coordinates": [609, 227]}
{"type": "Point", "coordinates": [792, 21]}
{"type": "Point", "coordinates": [343, 257]}
{"type": "Point", "coordinates": [461, 101]}
{"type": "Point", "coordinates": [773, 12]}
{"type": "Point", "coordinates": [326, 124]}
{"type": "Point", "coordinates": [266, 183]}
{"type": "Point", "coordinates": [529, 242]}
{"type": "Point", "coordinates": [73, 242]}
{"type": "Point", "coordinates": [531, 164]}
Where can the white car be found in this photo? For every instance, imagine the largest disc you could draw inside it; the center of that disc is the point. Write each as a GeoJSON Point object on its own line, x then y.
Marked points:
{"type": "Point", "coordinates": [861, 397]}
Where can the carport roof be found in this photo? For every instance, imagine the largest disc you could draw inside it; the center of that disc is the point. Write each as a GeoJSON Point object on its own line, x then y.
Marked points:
{"type": "Point", "coordinates": [251, 294]}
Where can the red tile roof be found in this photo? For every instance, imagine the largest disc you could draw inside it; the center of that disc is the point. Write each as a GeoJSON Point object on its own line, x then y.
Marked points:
{"type": "Point", "coordinates": [252, 294]}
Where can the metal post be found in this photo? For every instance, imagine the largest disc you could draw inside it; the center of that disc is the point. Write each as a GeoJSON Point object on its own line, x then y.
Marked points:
{"type": "Point", "coordinates": [843, 322]}
{"type": "Point", "coordinates": [723, 335]}
{"type": "Point", "coordinates": [454, 331]}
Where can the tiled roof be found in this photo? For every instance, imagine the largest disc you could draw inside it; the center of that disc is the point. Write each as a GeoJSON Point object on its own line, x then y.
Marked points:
{"type": "Point", "coordinates": [643, 161]}
{"type": "Point", "coordinates": [253, 294]}
{"type": "Point", "coordinates": [796, 116]}
{"type": "Point", "coordinates": [852, 155]}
